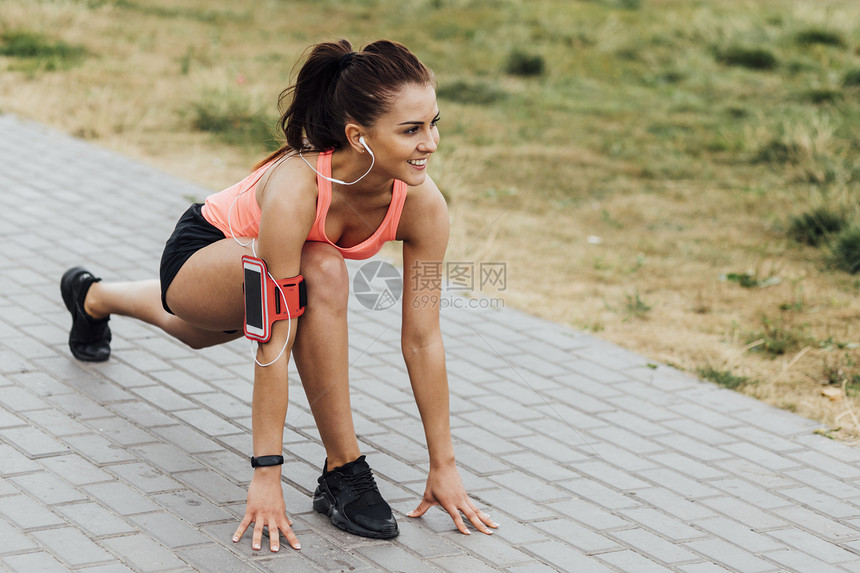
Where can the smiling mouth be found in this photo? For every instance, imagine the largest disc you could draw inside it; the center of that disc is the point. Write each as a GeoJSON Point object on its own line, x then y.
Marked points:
{"type": "Point", "coordinates": [417, 162]}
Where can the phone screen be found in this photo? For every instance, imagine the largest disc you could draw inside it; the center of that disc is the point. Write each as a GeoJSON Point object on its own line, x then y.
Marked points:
{"type": "Point", "coordinates": [254, 298]}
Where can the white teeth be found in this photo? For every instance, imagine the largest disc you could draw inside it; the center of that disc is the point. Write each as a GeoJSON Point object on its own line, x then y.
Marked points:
{"type": "Point", "coordinates": [417, 162]}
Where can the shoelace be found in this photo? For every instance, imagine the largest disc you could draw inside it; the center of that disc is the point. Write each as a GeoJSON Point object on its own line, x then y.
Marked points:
{"type": "Point", "coordinates": [362, 481]}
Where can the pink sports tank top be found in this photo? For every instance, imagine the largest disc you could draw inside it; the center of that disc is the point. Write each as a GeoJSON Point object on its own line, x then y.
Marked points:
{"type": "Point", "coordinates": [236, 208]}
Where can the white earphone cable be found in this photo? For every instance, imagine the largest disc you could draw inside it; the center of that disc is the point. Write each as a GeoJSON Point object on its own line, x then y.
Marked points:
{"type": "Point", "coordinates": [332, 179]}
{"type": "Point", "coordinates": [254, 251]}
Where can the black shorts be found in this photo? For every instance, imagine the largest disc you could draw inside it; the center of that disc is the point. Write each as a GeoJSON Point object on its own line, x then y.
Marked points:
{"type": "Point", "coordinates": [192, 233]}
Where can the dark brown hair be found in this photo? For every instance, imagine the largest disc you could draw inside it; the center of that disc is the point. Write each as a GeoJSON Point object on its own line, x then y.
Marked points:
{"type": "Point", "coordinates": [336, 85]}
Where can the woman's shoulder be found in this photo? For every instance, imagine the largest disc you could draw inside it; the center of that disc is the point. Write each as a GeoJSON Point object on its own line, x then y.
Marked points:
{"type": "Point", "coordinates": [425, 195]}
{"type": "Point", "coordinates": [425, 210]}
{"type": "Point", "coordinates": [288, 180]}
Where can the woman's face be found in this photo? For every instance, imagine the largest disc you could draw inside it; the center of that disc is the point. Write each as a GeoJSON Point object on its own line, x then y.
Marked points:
{"type": "Point", "coordinates": [403, 139]}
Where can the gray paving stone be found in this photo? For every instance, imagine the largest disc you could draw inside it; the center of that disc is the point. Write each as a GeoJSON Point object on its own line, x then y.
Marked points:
{"type": "Point", "coordinates": [653, 545]}
{"type": "Point", "coordinates": [40, 384]}
{"type": "Point", "coordinates": [142, 414]}
{"type": "Point", "coordinates": [729, 555]}
{"type": "Point", "coordinates": [13, 540]}
{"type": "Point", "coordinates": [756, 474]}
{"type": "Point", "coordinates": [532, 568]}
{"type": "Point", "coordinates": [620, 457]}
{"type": "Point", "coordinates": [752, 494]}
{"type": "Point", "coordinates": [421, 541]}
{"type": "Point", "coordinates": [825, 483]}
{"type": "Point", "coordinates": [12, 461]}
{"type": "Point", "coordinates": [822, 502]}
{"type": "Point", "coordinates": [704, 567]}
{"type": "Point", "coordinates": [546, 470]}
{"type": "Point", "coordinates": [75, 469]}
{"type": "Point", "coordinates": [143, 553]}
{"type": "Point", "coordinates": [29, 562]}
{"type": "Point", "coordinates": [743, 512]}
{"type": "Point", "coordinates": [97, 449]}
{"type": "Point", "coordinates": [26, 513]}
{"type": "Point", "coordinates": [71, 546]}
{"type": "Point", "coordinates": [537, 489]}
{"type": "Point", "coordinates": [511, 503]}
{"type": "Point", "coordinates": [393, 558]}
{"type": "Point", "coordinates": [813, 546]}
{"type": "Point", "coordinates": [822, 525]}
{"type": "Point", "coordinates": [627, 560]}
{"type": "Point", "coordinates": [679, 483]}
{"type": "Point", "coordinates": [166, 457]}
{"type": "Point", "coordinates": [798, 561]}
{"type": "Point", "coordinates": [600, 494]}
{"type": "Point", "coordinates": [589, 514]}
{"type": "Point", "coordinates": [634, 423]}
{"type": "Point", "coordinates": [673, 504]}
{"type": "Point", "coordinates": [55, 423]}
{"type": "Point", "coordinates": [120, 498]}
{"type": "Point", "coordinates": [145, 477]}
{"type": "Point", "coordinates": [660, 523]}
{"type": "Point", "coordinates": [552, 449]}
{"type": "Point", "coordinates": [182, 382]}
{"type": "Point", "coordinates": [94, 519]}
{"type": "Point", "coordinates": [191, 507]}
{"type": "Point", "coordinates": [217, 488]}
{"type": "Point", "coordinates": [33, 442]}
{"type": "Point", "coordinates": [170, 530]}
{"type": "Point", "coordinates": [47, 488]}
{"type": "Point", "coordinates": [20, 400]}
{"type": "Point", "coordinates": [464, 563]}
{"type": "Point", "coordinates": [216, 558]}
{"type": "Point", "coordinates": [568, 531]}
{"type": "Point", "coordinates": [121, 431]}
{"type": "Point", "coordinates": [565, 557]}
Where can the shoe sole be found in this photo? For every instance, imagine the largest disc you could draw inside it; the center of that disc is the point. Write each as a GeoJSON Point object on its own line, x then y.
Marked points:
{"type": "Point", "coordinates": [338, 519]}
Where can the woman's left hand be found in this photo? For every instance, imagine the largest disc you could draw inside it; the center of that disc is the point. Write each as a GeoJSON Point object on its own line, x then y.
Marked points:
{"type": "Point", "coordinates": [445, 488]}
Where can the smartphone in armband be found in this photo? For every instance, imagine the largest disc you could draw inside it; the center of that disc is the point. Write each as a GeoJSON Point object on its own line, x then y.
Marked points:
{"type": "Point", "coordinates": [257, 325]}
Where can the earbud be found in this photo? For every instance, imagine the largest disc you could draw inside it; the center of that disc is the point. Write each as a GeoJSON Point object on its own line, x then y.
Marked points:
{"type": "Point", "coordinates": [332, 179]}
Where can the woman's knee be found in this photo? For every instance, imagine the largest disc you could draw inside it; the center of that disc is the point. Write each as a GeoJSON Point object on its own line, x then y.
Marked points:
{"type": "Point", "coordinates": [325, 274]}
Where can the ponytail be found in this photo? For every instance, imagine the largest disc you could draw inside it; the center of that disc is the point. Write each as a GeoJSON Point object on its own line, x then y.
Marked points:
{"type": "Point", "coordinates": [336, 85]}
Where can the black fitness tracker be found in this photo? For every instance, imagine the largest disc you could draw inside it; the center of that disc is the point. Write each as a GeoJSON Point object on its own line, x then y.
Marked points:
{"type": "Point", "coordinates": [264, 461]}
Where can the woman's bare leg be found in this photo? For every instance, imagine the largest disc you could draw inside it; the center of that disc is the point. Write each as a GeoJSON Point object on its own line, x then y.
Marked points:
{"type": "Point", "coordinates": [322, 354]}
{"type": "Point", "coordinates": [206, 296]}
{"type": "Point", "coordinates": [142, 300]}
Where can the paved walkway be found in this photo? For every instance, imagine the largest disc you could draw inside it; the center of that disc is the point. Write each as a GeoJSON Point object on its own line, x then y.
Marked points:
{"type": "Point", "coordinates": [589, 457]}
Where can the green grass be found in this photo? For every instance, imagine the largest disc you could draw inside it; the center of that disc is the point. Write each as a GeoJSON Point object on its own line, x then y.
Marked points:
{"type": "Point", "coordinates": [845, 250]}
{"type": "Point", "coordinates": [779, 337]}
{"type": "Point", "coordinates": [820, 36]}
{"type": "Point", "coordinates": [36, 52]}
{"type": "Point", "coordinates": [724, 378]}
{"type": "Point", "coordinates": [234, 120]}
{"type": "Point", "coordinates": [477, 92]}
{"type": "Point", "coordinates": [815, 226]}
{"type": "Point", "coordinates": [751, 58]}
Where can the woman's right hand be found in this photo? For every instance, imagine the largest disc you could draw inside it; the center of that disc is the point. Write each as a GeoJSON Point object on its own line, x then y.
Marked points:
{"type": "Point", "coordinates": [266, 507]}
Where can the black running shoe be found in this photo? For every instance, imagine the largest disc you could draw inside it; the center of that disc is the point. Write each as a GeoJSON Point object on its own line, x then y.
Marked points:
{"type": "Point", "coordinates": [89, 339]}
{"type": "Point", "coordinates": [349, 497]}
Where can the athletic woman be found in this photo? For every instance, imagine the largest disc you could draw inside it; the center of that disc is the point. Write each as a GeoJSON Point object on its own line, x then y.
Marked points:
{"type": "Point", "coordinates": [359, 130]}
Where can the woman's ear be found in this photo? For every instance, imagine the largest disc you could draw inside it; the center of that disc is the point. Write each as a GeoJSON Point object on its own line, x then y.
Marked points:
{"type": "Point", "coordinates": [354, 133]}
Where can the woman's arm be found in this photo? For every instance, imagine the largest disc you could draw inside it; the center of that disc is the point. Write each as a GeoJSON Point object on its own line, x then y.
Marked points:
{"type": "Point", "coordinates": [425, 239]}
{"type": "Point", "coordinates": [288, 211]}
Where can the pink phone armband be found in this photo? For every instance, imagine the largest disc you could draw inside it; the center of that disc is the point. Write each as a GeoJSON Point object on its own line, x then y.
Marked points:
{"type": "Point", "coordinates": [268, 300]}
